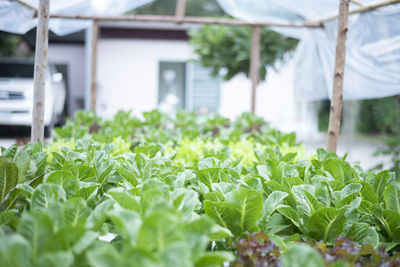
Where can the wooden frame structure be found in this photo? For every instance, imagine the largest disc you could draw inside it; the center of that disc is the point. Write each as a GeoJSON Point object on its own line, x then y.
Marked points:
{"type": "Point", "coordinates": [93, 65]}
{"type": "Point", "coordinates": [180, 18]}
{"type": "Point", "coordinates": [337, 91]}
{"type": "Point", "coordinates": [42, 41]}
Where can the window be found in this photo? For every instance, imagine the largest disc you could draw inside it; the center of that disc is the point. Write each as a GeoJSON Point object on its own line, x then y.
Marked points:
{"type": "Point", "coordinates": [188, 85]}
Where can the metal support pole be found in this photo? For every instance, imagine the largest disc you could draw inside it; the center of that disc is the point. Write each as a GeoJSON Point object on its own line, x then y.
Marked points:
{"type": "Point", "coordinates": [337, 94]}
{"type": "Point", "coordinates": [42, 43]}
{"type": "Point", "coordinates": [93, 67]}
{"type": "Point", "coordinates": [255, 65]}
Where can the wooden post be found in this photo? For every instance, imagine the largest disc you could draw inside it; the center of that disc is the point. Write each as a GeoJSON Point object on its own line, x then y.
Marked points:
{"type": "Point", "coordinates": [337, 93]}
{"type": "Point", "coordinates": [42, 43]}
{"type": "Point", "coordinates": [93, 66]}
{"type": "Point", "coordinates": [255, 65]}
{"type": "Point", "coordinates": [180, 10]}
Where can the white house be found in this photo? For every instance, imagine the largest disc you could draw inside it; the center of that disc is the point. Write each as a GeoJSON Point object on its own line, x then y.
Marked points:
{"type": "Point", "coordinates": [141, 64]}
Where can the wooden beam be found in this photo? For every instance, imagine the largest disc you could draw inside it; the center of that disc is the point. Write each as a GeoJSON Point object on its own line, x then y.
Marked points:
{"type": "Point", "coordinates": [180, 10]}
{"type": "Point", "coordinates": [357, 3]}
{"type": "Point", "coordinates": [337, 93]}
{"type": "Point", "coordinates": [363, 9]}
{"type": "Point", "coordinates": [93, 66]}
{"type": "Point", "coordinates": [255, 65]}
{"type": "Point", "coordinates": [187, 20]}
{"type": "Point", "coordinates": [42, 42]}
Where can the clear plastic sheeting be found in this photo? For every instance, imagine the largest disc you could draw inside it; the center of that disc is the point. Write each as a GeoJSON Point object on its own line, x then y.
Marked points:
{"type": "Point", "coordinates": [373, 46]}
{"type": "Point", "coordinates": [17, 18]}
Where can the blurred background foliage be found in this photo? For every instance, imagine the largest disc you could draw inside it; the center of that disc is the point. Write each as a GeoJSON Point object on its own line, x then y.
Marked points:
{"type": "Point", "coordinates": [226, 50]}
{"type": "Point", "coordinates": [376, 116]}
{"type": "Point", "coordinates": [9, 44]}
{"type": "Point", "coordinates": [379, 116]}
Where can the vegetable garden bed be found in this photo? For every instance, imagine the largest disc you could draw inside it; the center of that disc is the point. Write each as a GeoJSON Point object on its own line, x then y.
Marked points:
{"type": "Point", "coordinates": [193, 191]}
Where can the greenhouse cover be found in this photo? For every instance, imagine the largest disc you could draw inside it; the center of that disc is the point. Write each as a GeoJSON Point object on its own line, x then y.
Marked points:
{"type": "Point", "coordinates": [373, 46]}
{"type": "Point", "coordinates": [17, 18]}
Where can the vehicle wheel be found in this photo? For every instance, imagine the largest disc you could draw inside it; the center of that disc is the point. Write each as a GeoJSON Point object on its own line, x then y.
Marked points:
{"type": "Point", "coordinates": [47, 131]}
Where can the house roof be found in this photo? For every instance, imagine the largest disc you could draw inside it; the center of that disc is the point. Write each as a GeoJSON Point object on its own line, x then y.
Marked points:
{"type": "Point", "coordinates": [123, 30]}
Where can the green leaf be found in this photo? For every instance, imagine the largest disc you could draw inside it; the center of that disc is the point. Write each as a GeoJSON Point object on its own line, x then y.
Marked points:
{"type": "Point", "coordinates": [56, 259]}
{"type": "Point", "coordinates": [289, 213]}
{"type": "Point", "coordinates": [225, 214]}
{"type": "Point", "coordinates": [15, 250]}
{"type": "Point", "coordinates": [63, 178]}
{"type": "Point", "coordinates": [307, 203]}
{"type": "Point", "coordinates": [391, 196]}
{"type": "Point", "coordinates": [22, 160]}
{"type": "Point", "coordinates": [363, 233]}
{"type": "Point", "coordinates": [125, 199]}
{"type": "Point", "coordinates": [340, 170]}
{"type": "Point", "coordinates": [105, 172]}
{"type": "Point", "coordinates": [127, 175]}
{"type": "Point", "coordinates": [186, 201]}
{"type": "Point", "coordinates": [218, 232]}
{"type": "Point", "coordinates": [347, 191]}
{"type": "Point", "coordinates": [159, 230]}
{"type": "Point", "coordinates": [389, 220]}
{"type": "Point", "coordinates": [380, 183]}
{"type": "Point", "coordinates": [272, 202]}
{"type": "Point", "coordinates": [127, 222]}
{"type": "Point", "coordinates": [224, 188]}
{"type": "Point", "coordinates": [215, 196]}
{"type": "Point", "coordinates": [85, 241]}
{"type": "Point", "coordinates": [301, 255]}
{"type": "Point", "coordinates": [184, 177]}
{"type": "Point", "coordinates": [37, 228]}
{"type": "Point", "coordinates": [75, 211]}
{"type": "Point", "coordinates": [214, 259]}
{"type": "Point", "coordinates": [8, 178]}
{"type": "Point", "coordinates": [271, 186]}
{"type": "Point", "coordinates": [46, 194]}
{"type": "Point", "coordinates": [9, 152]}
{"type": "Point", "coordinates": [263, 172]}
{"type": "Point", "coordinates": [59, 158]}
{"type": "Point", "coordinates": [274, 224]}
{"type": "Point", "coordinates": [176, 254]}
{"type": "Point", "coordinates": [368, 193]}
{"type": "Point", "coordinates": [99, 215]}
{"type": "Point", "coordinates": [7, 216]}
{"type": "Point", "coordinates": [326, 224]}
{"type": "Point", "coordinates": [103, 256]}
{"type": "Point", "coordinates": [209, 176]}
{"type": "Point", "coordinates": [249, 204]}
{"type": "Point", "coordinates": [352, 206]}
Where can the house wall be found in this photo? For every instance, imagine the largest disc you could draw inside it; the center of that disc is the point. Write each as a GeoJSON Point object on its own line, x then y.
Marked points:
{"type": "Point", "coordinates": [128, 72]}
{"type": "Point", "coordinates": [73, 55]}
{"type": "Point", "coordinates": [128, 79]}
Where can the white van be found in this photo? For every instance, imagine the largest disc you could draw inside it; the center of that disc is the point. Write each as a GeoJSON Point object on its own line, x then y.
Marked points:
{"type": "Point", "coordinates": [16, 93]}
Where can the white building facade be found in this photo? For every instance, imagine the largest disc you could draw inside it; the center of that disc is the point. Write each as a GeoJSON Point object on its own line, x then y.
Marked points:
{"type": "Point", "coordinates": [139, 65]}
